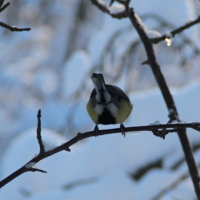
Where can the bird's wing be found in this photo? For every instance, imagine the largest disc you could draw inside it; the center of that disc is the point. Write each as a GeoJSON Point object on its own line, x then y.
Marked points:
{"type": "Point", "coordinates": [116, 90]}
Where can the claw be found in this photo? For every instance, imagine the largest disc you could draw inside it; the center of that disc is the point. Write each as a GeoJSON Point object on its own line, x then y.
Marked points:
{"type": "Point", "coordinates": [96, 129]}
{"type": "Point", "coordinates": [122, 127]}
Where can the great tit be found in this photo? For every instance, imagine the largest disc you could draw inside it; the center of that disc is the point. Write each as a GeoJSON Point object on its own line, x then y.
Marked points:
{"type": "Point", "coordinates": [108, 104]}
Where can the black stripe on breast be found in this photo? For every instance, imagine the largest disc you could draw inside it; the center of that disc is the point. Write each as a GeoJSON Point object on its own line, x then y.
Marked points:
{"type": "Point", "coordinates": [106, 118]}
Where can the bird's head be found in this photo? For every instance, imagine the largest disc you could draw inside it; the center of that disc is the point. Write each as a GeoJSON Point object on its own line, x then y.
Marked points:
{"type": "Point", "coordinates": [102, 95]}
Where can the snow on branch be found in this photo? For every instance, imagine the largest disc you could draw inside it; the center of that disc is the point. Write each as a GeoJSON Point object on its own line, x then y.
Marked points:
{"type": "Point", "coordinates": [105, 8]}
{"type": "Point", "coordinates": [175, 31]}
{"type": "Point", "coordinates": [118, 12]}
{"type": "Point", "coordinates": [11, 28]}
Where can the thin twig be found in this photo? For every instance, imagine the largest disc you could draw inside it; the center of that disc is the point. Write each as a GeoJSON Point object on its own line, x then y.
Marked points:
{"type": "Point", "coordinates": [175, 31]}
{"type": "Point", "coordinates": [106, 9]}
{"type": "Point", "coordinates": [4, 6]}
{"type": "Point", "coordinates": [14, 28]}
{"type": "Point", "coordinates": [39, 137]}
{"type": "Point", "coordinates": [37, 170]}
{"type": "Point", "coordinates": [11, 28]}
{"type": "Point", "coordinates": [1, 3]}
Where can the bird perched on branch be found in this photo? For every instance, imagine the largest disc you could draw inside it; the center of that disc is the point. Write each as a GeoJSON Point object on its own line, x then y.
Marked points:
{"type": "Point", "coordinates": [108, 104]}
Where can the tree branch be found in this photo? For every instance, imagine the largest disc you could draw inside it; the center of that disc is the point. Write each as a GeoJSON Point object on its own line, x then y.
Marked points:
{"type": "Point", "coordinates": [38, 131]}
{"type": "Point", "coordinates": [106, 9]}
{"type": "Point", "coordinates": [3, 7]}
{"type": "Point", "coordinates": [175, 31]}
{"type": "Point", "coordinates": [173, 113]}
{"type": "Point", "coordinates": [11, 28]}
{"type": "Point", "coordinates": [156, 40]}
{"type": "Point", "coordinates": [30, 165]}
{"type": "Point", "coordinates": [1, 3]}
{"type": "Point", "coordinates": [14, 28]}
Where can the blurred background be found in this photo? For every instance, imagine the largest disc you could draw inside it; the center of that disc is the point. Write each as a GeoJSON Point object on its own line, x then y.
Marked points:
{"type": "Point", "coordinates": [49, 67]}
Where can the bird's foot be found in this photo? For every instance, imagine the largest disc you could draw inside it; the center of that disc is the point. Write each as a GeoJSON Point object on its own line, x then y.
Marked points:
{"type": "Point", "coordinates": [96, 130]}
{"type": "Point", "coordinates": [122, 127]}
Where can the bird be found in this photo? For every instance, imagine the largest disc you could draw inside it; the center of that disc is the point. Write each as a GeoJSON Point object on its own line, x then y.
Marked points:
{"type": "Point", "coordinates": [108, 104]}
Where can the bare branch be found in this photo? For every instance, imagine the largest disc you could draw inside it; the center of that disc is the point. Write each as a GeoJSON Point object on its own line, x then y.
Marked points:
{"type": "Point", "coordinates": [37, 170]}
{"type": "Point", "coordinates": [1, 3]}
{"type": "Point", "coordinates": [175, 31]}
{"type": "Point", "coordinates": [39, 137]}
{"type": "Point", "coordinates": [11, 28]}
{"type": "Point", "coordinates": [4, 6]}
{"type": "Point", "coordinates": [26, 168]}
{"type": "Point", "coordinates": [14, 28]}
{"type": "Point", "coordinates": [105, 9]}
{"type": "Point", "coordinates": [30, 166]}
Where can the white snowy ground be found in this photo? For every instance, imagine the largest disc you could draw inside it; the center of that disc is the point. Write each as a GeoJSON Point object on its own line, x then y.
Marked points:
{"type": "Point", "coordinates": [99, 168]}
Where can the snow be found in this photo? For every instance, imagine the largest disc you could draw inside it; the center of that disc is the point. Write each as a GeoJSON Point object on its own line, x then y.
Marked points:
{"type": "Point", "coordinates": [102, 2]}
{"type": "Point", "coordinates": [155, 123]}
{"type": "Point", "coordinates": [185, 191]}
{"type": "Point", "coordinates": [168, 41]}
{"type": "Point", "coordinates": [51, 65]}
{"type": "Point", "coordinates": [48, 146]}
{"type": "Point", "coordinates": [30, 165]}
{"type": "Point", "coordinates": [153, 33]}
{"type": "Point", "coordinates": [75, 70]}
{"type": "Point", "coordinates": [108, 159]}
{"type": "Point", "coordinates": [96, 190]}
{"type": "Point", "coordinates": [177, 122]}
{"type": "Point", "coordinates": [146, 184]}
{"type": "Point", "coordinates": [117, 8]}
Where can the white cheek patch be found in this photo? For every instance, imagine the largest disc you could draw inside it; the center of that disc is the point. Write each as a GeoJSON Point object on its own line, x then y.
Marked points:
{"type": "Point", "coordinates": [99, 109]}
{"type": "Point", "coordinates": [110, 107]}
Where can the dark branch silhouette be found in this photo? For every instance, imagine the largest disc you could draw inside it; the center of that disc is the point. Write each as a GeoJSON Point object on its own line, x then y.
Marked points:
{"type": "Point", "coordinates": [14, 28]}
{"type": "Point", "coordinates": [11, 28]}
{"type": "Point", "coordinates": [39, 137]}
{"type": "Point", "coordinates": [173, 113]}
{"type": "Point", "coordinates": [155, 40]}
{"type": "Point", "coordinates": [3, 7]}
{"type": "Point", "coordinates": [30, 166]}
{"type": "Point", "coordinates": [175, 31]}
